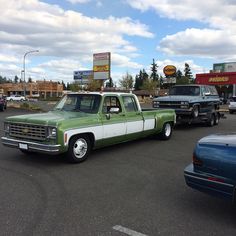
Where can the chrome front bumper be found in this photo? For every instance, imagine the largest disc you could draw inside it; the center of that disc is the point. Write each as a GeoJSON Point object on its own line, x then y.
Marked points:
{"type": "Point", "coordinates": [31, 146]}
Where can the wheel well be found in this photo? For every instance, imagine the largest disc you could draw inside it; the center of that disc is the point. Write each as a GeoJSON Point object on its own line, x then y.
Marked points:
{"type": "Point", "coordinates": [90, 135]}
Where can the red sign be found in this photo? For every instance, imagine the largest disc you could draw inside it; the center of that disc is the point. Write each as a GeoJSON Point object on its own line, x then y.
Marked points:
{"type": "Point", "coordinates": [222, 78]}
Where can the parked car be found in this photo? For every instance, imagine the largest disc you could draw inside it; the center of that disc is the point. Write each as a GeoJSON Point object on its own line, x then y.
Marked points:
{"type": "Point", "coordinates": [3, 102]}
{"type": "Point", "coordinates": [81, 122]}
{"type": "Point", "coordinates": [16, 98]}
{"type": "Point", "coordinates": [213, 168]}
{"type": "Point", "coordinates": [192, 103]}
{"type": "Point", "coordinates": [232, 105]}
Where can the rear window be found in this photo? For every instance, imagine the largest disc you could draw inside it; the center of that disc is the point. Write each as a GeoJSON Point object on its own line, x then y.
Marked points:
{"type": "Point", "coordinates": [185, 90]}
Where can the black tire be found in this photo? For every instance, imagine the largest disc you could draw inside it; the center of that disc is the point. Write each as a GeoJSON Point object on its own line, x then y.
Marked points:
{"type": "Point", "coordinates": [166, 131]}
{"type": "Point", "coordinates": [195, 111]}
{"type": "Point", "coordinates": [217, 119]}
{"type": "Point", "coordinates": [231, 112]}
{"type": "Point", "coordinates": [79, 148]}
{"type": "Point", "coordinates": [211, 120]}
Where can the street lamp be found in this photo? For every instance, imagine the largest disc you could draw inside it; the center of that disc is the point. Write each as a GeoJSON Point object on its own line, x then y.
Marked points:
{"type": "Point", "coordinates": [24, 64]}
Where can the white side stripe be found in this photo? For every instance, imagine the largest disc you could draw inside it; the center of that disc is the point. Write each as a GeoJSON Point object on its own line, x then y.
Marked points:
{"type": "Point", "coordinates": [127, 231]}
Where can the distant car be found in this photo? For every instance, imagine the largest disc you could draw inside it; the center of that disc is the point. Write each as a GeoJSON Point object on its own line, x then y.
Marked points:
{"type": "Point", "coordinates": [16, 98]}
{"type": "Point", "coordinates": [3, 102]}
{"type": "Point", "coordinates": [232, 105]}
{"type": "Point", "coordinates": [213, 169]}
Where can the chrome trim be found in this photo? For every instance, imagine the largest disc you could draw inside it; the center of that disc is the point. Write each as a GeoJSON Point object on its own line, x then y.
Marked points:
{"type": "Point", "coordinates": [45, 148]}
{"type": "Point", "coordinates": [207, 180]}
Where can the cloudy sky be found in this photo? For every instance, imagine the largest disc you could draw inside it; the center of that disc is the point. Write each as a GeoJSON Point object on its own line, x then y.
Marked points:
{"type": "Point", "coordinates": [68, 32]}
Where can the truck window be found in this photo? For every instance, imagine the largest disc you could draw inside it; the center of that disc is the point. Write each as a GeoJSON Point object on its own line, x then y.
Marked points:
{"type": "Point", "coordinates": [213, 90]}
{"type": "Point", "coordinates": [129, 104]}
{"type": "Point", "coordinates": [79, 103]}
{"type": "Point", "coordinates": [109, 102]}
{"type": "Point", "coordinates": [185, 90]}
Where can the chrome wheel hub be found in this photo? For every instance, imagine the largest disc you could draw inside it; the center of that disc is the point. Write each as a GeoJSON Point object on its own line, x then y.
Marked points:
{"type": "Point", "coordinates": [80, 148]}
{"type": "Point", "coordinates": [167, 130]}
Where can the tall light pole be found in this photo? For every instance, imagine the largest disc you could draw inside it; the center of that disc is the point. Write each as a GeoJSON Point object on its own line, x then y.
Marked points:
{"type": "Point", "coordinates": [24, 64]}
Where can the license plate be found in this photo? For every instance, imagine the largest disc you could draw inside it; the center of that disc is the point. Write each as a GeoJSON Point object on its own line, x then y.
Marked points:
{"type": "Point", "coordinates": [23, 146]}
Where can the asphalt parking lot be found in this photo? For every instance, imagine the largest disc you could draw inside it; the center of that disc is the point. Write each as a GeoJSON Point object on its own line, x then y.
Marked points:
{"type": "Point", "coordinates": [135, 189]}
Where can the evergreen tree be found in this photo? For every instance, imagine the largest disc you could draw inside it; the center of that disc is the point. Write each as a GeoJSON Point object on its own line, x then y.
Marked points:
{"type": "Point", "coordinates": [29, 80]}
{"type": "Point", "coordinates": [138, 83]}
{"type": "Point", "coordinates": [188, 73]}
{"type": "Point", "coordinates": [154, 74]}
{"type": "Point", "coordinates": [16, 79]}
{"type": "Point", "coordinates": [63, 84]}
{"type": "Point", "coordinates": [110, 83]}
{"type": "Point", "coordinates": [144, 75]}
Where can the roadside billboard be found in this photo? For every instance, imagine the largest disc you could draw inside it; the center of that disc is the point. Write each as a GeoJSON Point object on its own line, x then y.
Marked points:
{"type": "Point", "coordinates": [169, 70]}
{"type": "Point", "coordinates": [169, 80]}
{"type": "Point", "coordinates": [83, 76]}
{"type": "Point", "coordinates": [224, 67]}
{"type": "Point", "coordinates": [102, 65]}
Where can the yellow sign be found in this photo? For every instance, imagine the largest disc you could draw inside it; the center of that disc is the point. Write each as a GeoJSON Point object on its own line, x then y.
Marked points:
{"type": "Point", "coordinates": [102, 68]}
{"type": "Point", "coordinates": [169, 70]}
{"type": "Point", "coordinates": [218, 79]}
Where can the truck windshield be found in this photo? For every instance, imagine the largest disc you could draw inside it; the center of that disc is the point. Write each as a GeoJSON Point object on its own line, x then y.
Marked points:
{"type": "Point", "coordinates": [88, 103]}
{"type": "Point", "coordinates": [185, 90]}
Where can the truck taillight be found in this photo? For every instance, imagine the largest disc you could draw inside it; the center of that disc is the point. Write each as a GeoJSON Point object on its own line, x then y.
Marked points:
{"type": "Point", "coordinates": [196, 161]}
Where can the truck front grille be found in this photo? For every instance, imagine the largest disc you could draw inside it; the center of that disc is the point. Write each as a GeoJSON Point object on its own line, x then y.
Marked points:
{"type": "Point", "coordinates": [28, 131]}
{"type": "Point", "coordinates": [170, 104]}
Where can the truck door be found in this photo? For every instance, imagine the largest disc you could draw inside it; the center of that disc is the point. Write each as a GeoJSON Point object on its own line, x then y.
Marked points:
{"type": "Point", "coordinates": [134, 117]}
{"type": "Point", "coordinates": [113, 120]}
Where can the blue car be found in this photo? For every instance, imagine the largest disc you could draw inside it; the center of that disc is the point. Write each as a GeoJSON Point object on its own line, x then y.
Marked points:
{"type": "Point", "coordinates": [213, 169]}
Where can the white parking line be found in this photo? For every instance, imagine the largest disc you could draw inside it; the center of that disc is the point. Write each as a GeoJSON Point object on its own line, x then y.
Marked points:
{"type": "Point", "coordinates": [127, 231]}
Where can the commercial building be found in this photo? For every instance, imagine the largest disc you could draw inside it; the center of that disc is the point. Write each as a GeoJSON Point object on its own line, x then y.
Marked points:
{"type": "Point", "coordinates": [223, 76]}
{"type": "Point", "coordinates": [43, 89]}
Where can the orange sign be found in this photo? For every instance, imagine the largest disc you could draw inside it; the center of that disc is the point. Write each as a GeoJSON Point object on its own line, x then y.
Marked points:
{"type": "Point", "coordinates": [169, 70]}
{"type": "Point", "coordinates": [102, 68]}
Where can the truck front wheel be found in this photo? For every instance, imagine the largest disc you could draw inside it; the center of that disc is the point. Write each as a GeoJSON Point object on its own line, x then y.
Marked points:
{"type": "Point", "coordinates": [195, 111]}
{"type": "Point", "coordinates": [79, 148]}
{"type": "Point", "coordinates": [166, 131]}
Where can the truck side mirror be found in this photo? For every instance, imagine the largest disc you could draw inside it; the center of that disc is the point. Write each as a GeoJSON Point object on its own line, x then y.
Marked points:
{"type": "Point", "coordinates": [114, 110]}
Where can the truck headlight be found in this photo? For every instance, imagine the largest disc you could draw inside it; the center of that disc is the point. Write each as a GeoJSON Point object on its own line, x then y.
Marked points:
{"type": "Point", "coordinates": [184, 105]}
{"type": "Point", "coordinates": [155, 104]}
{"type": "Point", "coordinates": [7, 127]}
{"type": "Point", "coordinates": [52, 132]}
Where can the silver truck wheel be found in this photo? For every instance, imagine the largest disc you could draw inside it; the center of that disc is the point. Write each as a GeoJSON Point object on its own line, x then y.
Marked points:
{"type": "Point", "coordinates": [79, 148]}
{"type": "Point", "coordinates": [195, 111]}
{"type": "Point", "coordinates": [166, 131]}
{"type": "Point", "coordinates": [211, 120]}
{"type": "Point", "coordinates": [216, 120]}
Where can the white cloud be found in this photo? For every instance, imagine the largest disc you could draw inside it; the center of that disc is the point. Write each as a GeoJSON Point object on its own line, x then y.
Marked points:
{"type": "Point", "coordinates": [55, 32]}
{"type": "Point", "coordinates": [64, 33]}
{"type": "Point", "coordinates": [78, 1]}
{"type": "Point", "coordinates": [200, 10]}
{"type": "Point", "coordinates": [4, 58]}
{"type": "Point", "coordinates": [180, 65]}
{"type": "Point", "coordinates": [202, 43]}
{"type": "Point", "coordinates": [124, 62]}
{"type": "Point", "coordinates": [218, 41]}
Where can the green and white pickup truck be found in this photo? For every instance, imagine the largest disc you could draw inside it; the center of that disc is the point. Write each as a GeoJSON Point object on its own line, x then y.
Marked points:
{"type": "Point", "coordinates": [81, 122]}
